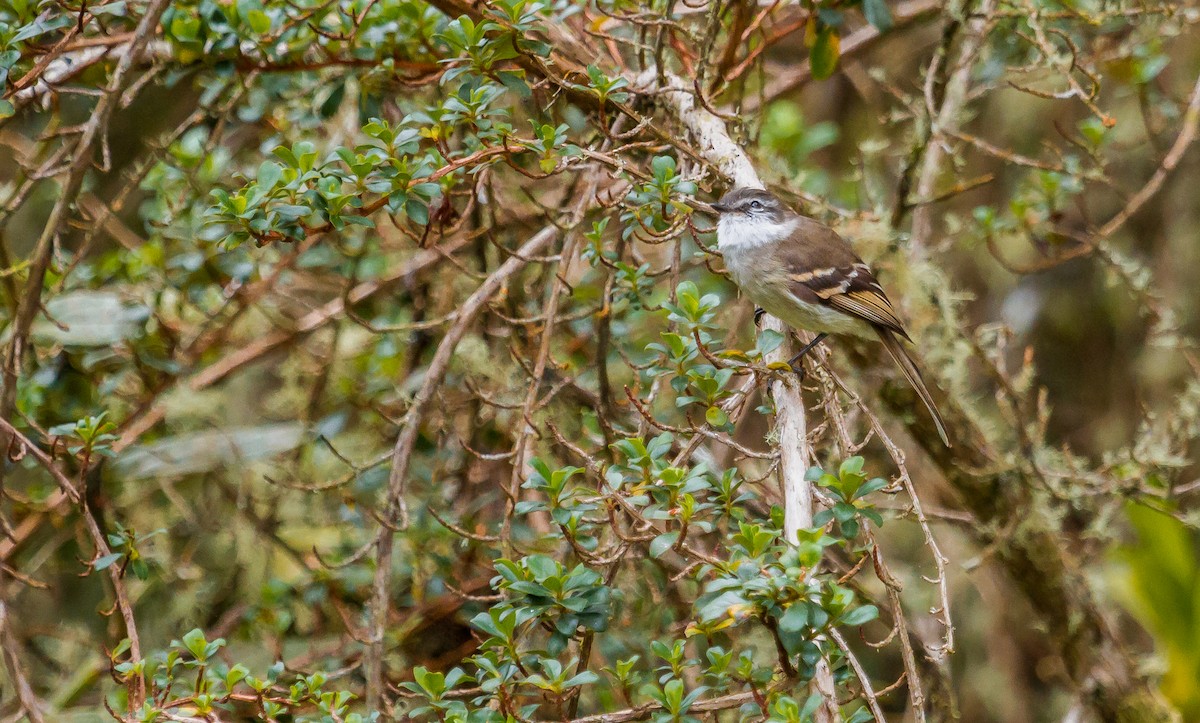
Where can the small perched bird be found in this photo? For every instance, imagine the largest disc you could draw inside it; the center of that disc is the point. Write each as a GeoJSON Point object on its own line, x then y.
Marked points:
{"type": "Point", "coordinates": [802, 272]}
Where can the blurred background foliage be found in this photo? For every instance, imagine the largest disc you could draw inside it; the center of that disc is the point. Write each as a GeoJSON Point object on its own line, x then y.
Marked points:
{"type": "Point", "coordinates": [1159, 581]}
{"type": "Point", "coordinates": [371, 358]}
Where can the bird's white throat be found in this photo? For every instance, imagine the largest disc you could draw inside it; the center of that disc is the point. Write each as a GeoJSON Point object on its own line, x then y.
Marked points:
{"type": "Point", "coordinates": [738, 232]}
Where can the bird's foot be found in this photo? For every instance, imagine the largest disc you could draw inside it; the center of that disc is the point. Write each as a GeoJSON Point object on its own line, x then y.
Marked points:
{"type": "Point", "coordinates": [797, 366]}
{"type": "Point", "coordinates": [797, 362]}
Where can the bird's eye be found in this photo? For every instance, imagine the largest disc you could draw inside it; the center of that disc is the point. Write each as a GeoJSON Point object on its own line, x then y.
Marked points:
{"type": "Point", "coordinates": [756, 205]}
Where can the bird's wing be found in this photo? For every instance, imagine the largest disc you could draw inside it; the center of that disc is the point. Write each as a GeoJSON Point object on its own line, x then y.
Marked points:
{"type": "Point", "coordinates": [862, 297]}
{"type": "Point", "coordinates": [822, 268]}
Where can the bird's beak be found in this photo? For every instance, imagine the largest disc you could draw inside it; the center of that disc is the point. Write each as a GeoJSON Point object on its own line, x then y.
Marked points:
{"type": "Point", "coordinates": [719, 207]}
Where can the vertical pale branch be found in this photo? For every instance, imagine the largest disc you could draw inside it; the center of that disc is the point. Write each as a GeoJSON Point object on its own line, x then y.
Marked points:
{"type": "Point", "coordinates": [713, 142]}
{"type": "Point", "coordinates": [795, 452]}
{"type": "Point", "coordinates": [943, 118]}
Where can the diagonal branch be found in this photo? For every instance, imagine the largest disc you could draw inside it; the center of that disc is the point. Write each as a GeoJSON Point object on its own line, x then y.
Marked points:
{"type": "Point", "coordinates": [93, 133]}
{"type": "Point", "coordinates": [857, 42]}
{"type": "Point", "coordinates": [396, 509]}
{"type": "Point", "coordinates": [31, 298]}
{"type": "Point", "coordinates": [943, 120]}
{"type": "Point", "coordinates": [135, 683]}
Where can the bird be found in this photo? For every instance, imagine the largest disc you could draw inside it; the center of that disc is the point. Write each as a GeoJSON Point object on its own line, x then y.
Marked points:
{"type": "Point", "coordinates": [802, 272]}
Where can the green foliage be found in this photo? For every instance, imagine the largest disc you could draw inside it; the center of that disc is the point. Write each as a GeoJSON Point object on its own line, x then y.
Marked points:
{"type": "Point", "coordinates": [293, 247]}
{"type": "Point", "coordinates": [849, 488]}
{"type": "Point", "coordinates": [565, 600]}
{"type": "Point", "coordinates": [1159, 582]}
{"type": "Point", "coordinates": [604, 87]}
{"type": "Point", "coordinates": [125, 543]}
{"type": "Point", "coordinates": [547, 606]}
{"type": "Point", "coordinates": [824, 47]}
{"type": "Point", "coordinates": [791, 139]}
{"type": "Point", "coordinates": [191, 668]}
{"type": "Point", "coordinates": [94, 434]}
{"type": "Point", "coordinates": [656, 206]}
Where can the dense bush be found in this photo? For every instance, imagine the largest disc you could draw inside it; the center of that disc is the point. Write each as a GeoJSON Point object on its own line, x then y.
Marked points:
{"type": "Point", "coordinates": [372, 359]}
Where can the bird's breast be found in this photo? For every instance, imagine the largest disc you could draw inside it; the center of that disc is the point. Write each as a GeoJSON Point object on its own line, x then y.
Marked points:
{"type": "Point", "coordinates": [766, 283]}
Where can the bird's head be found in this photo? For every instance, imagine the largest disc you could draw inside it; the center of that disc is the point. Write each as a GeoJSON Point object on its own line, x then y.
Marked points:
{"type": "Point", "coordinates": [751, 217]}
{"type": "Point", "coordinates": [750, 203]}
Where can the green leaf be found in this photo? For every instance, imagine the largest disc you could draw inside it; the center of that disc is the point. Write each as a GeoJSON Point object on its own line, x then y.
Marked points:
{"type": "Point", "coordinates": [7, 109]}
{"type": "Point", "coordinates": [269, 174]}
{"type": "Point", "coordinates": [823, 55]}
{"type": "Point", "coordinates": [195, 643]}
{"type": "Point", "coordinates": [877, 13]}
{"type": "Point", "coordinates": [185, 27]}
{"type": "Point", "coordinates": [62, 430]}
{"type": "Point", "coordinates": [870, 486]}
{"type": "Point", "coordinates": [712, 607]}
{"type": "Point", "coordinates": [259, 21]}
{"type": "Point", "coordinates": [587, 677]}
{"type": "Point", "coordinates": [853, 465]}
{"type": "Point", "coordinates": [514, 80]}
{"type": "Point", "coordinates": [417, 211]}
{"type": "Point", "coordinates": [122, 648]}
{"type": "Point", "coordinates": [663, 167]}
{"type": "Point", "coordinates": [811, 704]}
{"type": "Point", "coordinates": [541, 566]}
{"type": "Point", "coordinates": [107, 561]}
{"type": "Point", "coordinates": [662, 543]}
{"type": "Point", "coordinates": [792, 626]}
{"type": "Point", "coordinates": [861, 615]}
{"type": "Point", "coordinates": [41, 27]}
{"type": "Point", "coordinates": [795, 618]}
{"type": "Point", "coordinates": [769, 340]}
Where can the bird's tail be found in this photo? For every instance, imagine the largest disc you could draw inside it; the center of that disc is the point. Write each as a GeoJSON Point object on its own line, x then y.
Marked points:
{"type": "Point", "coordinates": [913, 375]}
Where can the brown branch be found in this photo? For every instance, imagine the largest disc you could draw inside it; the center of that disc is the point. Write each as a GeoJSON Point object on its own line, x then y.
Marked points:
{"type": "Point", "coordinates": [943, 115]}
{"type": "Point", "coordinates": [520, 451]}
{"type": "Point", "coordinates": [261, 347]}
{"type": "Point", "coordinates": [239, 359]}
{"type": "Point", "coordinates": [137, 683]}
{"type": "Point", "coordinates": [93, 133]}
{"type": "Point", "coordinates": [1187, 134]}
{"type": "Point", "coordinates": [1183, 141]}
{"type": "Point", "coordinates": [863, 679]}
{"type": "Point", "coordinates": [724, 702]}
{"type": "Point", "coordinates": [861, 40]}
{"type": "Point", "coordinates": [30, 705]}
{"type": "Point", "coordinates": [396, 509]}
{"type": "Point", "coordinates": [1033, 556]}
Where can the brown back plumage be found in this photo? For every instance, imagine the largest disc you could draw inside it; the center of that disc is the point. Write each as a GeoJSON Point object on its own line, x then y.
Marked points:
{"type": "Point", "coordinates": [824, 269]}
